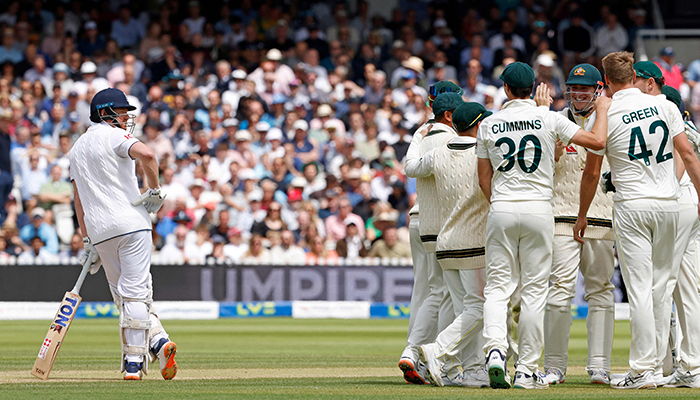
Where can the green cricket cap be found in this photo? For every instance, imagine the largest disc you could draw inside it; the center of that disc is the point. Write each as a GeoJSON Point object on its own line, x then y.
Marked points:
{"type": "Point", "coordinates": [672, 95]}
{"type": "Point", "coordinates": [467, 115]}
{"type": "Point", "coordinates": [585, 75]}
{"type": "Point", "coordinates": [519, 75]}
{"type": "Point", "coordinates": [446, 102]}
{"type": "Point", "coordinates": [647, 69]}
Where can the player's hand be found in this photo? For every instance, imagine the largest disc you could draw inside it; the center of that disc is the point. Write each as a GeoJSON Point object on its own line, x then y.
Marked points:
{"type": "Point", "coordinates": [424, 131]}
{"type": "Point", "coordinates": [91, 256]}
{"type": "Point", "coordinates": [542, 97]}
{"type": "Point", "coordinates": [559, 150]}
{"type": "Point", "coordinates": [580, 229]}
{"type": "Point", "coordinates": [152, 200]}
{"type": "Point", "coordinates": [605, 182]}
{"type": "Point", "coordinates": [602, 103]}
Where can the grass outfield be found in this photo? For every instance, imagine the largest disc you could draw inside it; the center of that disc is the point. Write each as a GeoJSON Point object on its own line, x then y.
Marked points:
{"type": "Point", "coordinates": [266, 359]}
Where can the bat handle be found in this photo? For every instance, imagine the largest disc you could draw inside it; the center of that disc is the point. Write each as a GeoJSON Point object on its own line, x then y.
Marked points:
{"type": "Point", "coordinates": [81, 278]}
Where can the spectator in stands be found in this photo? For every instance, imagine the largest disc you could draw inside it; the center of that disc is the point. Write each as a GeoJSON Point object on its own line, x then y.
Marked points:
{"type": "Point", "coordinates": [352, 246]}
{"type": "Point", "coordinates": [577, 41]}
{"type": "Point", "coordinates": [389, 246]}
{"type": "Point", "coordinates": [41, 229]}
{"type": "Point", "coordinates": [235, 248]}
{"type": "Point", "coordinates": [673, 75]}
{"type": "Point", "coordinates": [127, 31]}
{"type": "Point", "coordinates": [8, 51]}
{"type": "Point", "coordinates": [287, 252]}
{"type": "Point", "coordinates": [256, 253]}
{"type": "Point", "coordinates": [37, 252]}
{"type": "Point", "coordinates": [55, 191]}
{"type": "Point", "coordinates": [75, 249]}
{"type": "Point", "coordinates": [272, 222]}
{"type": "Point", "coordinates": [318, 251]}
{"type": "Point", "coordinates": [32, 177]}
{"type": "Point", "coordinates": [6, 179]}
{"type": "Point", "coordinates": [336, 225]}
{"type": "Point", "coordinates": [611, 36]}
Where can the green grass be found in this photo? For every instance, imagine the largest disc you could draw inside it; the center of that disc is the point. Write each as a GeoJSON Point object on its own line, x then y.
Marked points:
{"type": "Point", "coordinates": [265, 359]}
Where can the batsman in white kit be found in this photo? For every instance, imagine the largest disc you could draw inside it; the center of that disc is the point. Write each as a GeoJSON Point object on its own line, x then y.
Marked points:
{"type": "Point", "coordinates": [595, 257]}
{"type": "Point", "coordinates": [516, 168]}
{"type": "Point", "coordinates": [116, 227]}
{"type": "Point", "coordinates": [642, 136]}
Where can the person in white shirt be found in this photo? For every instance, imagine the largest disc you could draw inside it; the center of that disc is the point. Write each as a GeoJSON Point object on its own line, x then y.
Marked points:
{"type": "Point", "coordinates": [460, 250]}
{"type": "Point", "coordinates": [116, 228]}
{"type": "Point", "coordinates": [643, 135]}
{"type": "Point", "coordinates": [287, 252]}
{"type": "Point", "coordinates": [516, 170]}
{"type": "Point", "coordinates": [595, 258]}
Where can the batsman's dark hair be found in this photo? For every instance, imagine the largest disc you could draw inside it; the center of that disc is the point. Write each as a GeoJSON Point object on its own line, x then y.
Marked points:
{"type": "Point", "coordinates": [521, 93]}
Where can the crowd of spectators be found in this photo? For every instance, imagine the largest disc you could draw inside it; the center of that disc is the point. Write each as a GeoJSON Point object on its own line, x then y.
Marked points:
{"type": "Point", "coordinates": [280, 127]}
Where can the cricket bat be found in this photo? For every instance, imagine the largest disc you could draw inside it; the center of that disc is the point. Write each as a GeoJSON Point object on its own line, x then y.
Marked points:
{"type": "Point", "coordinates": [59, 328]}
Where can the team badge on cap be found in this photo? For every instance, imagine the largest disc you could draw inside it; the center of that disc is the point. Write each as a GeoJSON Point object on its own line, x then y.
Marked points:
{"type": "Point", "coordinates": [580, 71]}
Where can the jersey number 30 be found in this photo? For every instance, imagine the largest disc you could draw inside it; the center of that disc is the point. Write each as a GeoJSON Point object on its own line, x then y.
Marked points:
{"type": "Point", "coordinates": [644, 152]}
{"type": "Point", "coordinates": [510, 153]}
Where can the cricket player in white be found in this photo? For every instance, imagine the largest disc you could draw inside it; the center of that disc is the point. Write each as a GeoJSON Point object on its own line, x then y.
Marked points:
{"type": "Point", "coordinates": [683, 282]}
{"type": "Point", "coordinates": [460, 249]}
{"type": "Point", "coordinates": [516, 168]}
{"type": "Point", "coordinates": [116, 227]}
{"type": "Point", "coordinates": [595, 257]}
{"type": "Point", "coordinates": [642, 136]}
{"type": "Point", "coordinates": [428, 303]}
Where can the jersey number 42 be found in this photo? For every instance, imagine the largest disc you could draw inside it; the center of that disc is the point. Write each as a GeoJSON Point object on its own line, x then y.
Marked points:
{"type": "Point", "coordinates": [644, 152]}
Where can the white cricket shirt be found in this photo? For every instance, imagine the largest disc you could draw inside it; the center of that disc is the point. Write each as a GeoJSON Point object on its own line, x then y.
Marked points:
{"type": "Point", "coordinates": [639, 148]}
{"type": "Point", "coordinates": [519, 141]}
{"type": "Point", "coordinates": [106, 180]}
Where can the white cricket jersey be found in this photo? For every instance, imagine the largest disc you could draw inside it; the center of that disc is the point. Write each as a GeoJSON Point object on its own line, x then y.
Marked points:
{"type": "Point", "coordinates": [639, 148]}
{"type": "Point", "coordinates": [519, 141]}
{"type": "Point", "coordinates": [106, 180]}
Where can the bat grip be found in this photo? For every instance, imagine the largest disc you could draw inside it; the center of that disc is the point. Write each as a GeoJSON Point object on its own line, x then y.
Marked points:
{"type": "Point", "coordinates": [81, 278]}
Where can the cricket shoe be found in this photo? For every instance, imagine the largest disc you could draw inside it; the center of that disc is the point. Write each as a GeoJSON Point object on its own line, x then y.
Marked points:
{"type": "Point", "coordinates": [434, 369]}
{"type": "Point", "coordinates": [498, 373]}
{"type": "Point", "coordinates": [680, 379]}
{"type": "Point", "coordinates": [133, 371]}
{"type": "Point", "coordinates": [475, 379]}
{"type": "Point", "coordinates": [660, 379]}
{"type": "Point", "coordinates": [530, 381]}
{"type": "Point", "coordinates": [631, 380]}
{"type": "Point", "coordinates": [554, 376]}
{"type": "Point", "coordinates": [166, 350]}
{"type": "Point", "coordinates": [599, 376]}
{"type": "Point", "coordinates": [410, 372]}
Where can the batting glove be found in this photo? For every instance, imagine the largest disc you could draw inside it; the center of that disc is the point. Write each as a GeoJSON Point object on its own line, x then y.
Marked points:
{"type": "Point", "coordinates": [152, 200]}
{"type": "Point", "coordinates": [90, 255]}
{"type": "Point", "coordinates": [606, 182]}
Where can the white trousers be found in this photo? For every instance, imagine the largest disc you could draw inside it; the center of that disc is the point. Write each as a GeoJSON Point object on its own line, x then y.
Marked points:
{"type": "Point", "coordinates": [645, 232]}
{"type": "Point", "coordinates": [596, 260]}
{"type": "Point", "coordinates": [518, 253]}
{"type": "Point", "coordinates": [684, 286]}
{"type": "Point", "coordinates": [462, 341]}
{"type": "Point", "coordinates": [127, 262]}
{"type": "Point", "coordinates": [431, 307]}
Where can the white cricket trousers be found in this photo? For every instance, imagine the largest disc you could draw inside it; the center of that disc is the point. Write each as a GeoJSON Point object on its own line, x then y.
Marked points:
{"type": "Point", "coordinates": [684, 287]}
{"type": "Point", "coordinates": [518, 253]}
{"type": "Point", "coordinates": [431, 307]}
{"type": "Point", "coordinates": [645, 232]}
{"type": "Point", "coordinates": [127, 261]}
{"type": "Point", "coordinates": [462, 341]}
{"type": "Point", "coordinates": [596, 259]}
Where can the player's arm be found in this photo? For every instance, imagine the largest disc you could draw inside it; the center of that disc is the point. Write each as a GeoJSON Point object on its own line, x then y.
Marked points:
{"type": "Point", "coordinates": [680, 165]}
{"type": "Point", "coordinates": [598, 136]}
{"type": "Point", "coordinates": [141, 152]}
{"type": "Point", "coordinates": [413, 154]}
{"type": "Point", "coordinates": [589, 184]}
{"type": "Point", "coordinates": [421, 168]}
{"type": "Point", "coordinates": [79, 210]}
{"type": "Point", "coordinates": [687, 155]}
{"type": "Point", "coordinates": [485, 176]}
